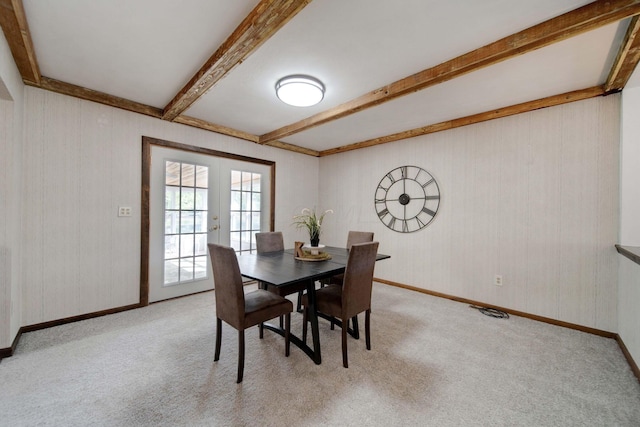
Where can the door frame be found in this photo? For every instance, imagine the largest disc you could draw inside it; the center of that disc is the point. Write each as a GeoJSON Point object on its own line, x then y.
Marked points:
{"type": "Point", "coordinates": [145, 209]}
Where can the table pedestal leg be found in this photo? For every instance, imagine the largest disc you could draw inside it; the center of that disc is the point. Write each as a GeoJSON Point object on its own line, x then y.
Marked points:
{"type": "Point", "coordinates": [313, 319]}
{"type": "Point", "coordinates": [312, 351]}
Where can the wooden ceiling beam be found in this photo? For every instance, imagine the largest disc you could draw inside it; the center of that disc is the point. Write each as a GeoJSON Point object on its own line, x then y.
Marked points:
{"type": "Point", "coordinates": [295, 148]}
{"type": "Point", "coordinates": [627, 59]}
{"type": "Point", "coordinates": [263, 22]}
{"type": "Point", "coordinates": [578, 21]}
{"type": "Point", "coordinates": [203, 124]}
{"type": "Point", "coordinates": [96, 96]}
{"type": "Point", "coordinates": [476, 118]}
{"type": "Point", "coordinates": [16, 30]}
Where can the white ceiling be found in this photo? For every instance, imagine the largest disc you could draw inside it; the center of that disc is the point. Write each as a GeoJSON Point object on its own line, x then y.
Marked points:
{"type": "Point", "coordinates": [147, 50]}
{"type": "Point", "coordinates": [634, 81]}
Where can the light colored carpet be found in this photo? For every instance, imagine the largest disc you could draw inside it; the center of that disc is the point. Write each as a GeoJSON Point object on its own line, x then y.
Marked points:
{"type": "Point", "coordinates": [433, 362]}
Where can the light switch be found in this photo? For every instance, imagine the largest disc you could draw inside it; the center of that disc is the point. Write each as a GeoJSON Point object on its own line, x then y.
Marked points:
{"type": "Point", "coordinates": [124, 211]}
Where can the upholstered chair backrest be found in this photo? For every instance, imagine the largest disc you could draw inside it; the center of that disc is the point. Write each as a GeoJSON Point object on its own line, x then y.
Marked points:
{"type": "Point", "coordinates": [229, 292]}
{"type": "Point", "coordinates": [270, 241]}
{"type": "Point", "coordinates": [358, 279]}
{"type": "Point", "coordinates": [358, 237]}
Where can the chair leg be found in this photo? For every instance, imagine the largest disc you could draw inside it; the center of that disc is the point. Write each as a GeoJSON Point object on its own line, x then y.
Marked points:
{"type": "Point", "coordinates": [345, 362]}
{"type": "Point", "coordinates": [287, 328]}
{"type": "Point", "coordinates": [240, 355]}
{"type": "Point", "coordinates": [261, 330]}
{"type": "Point", "coordinates": [304, 324]}
{"type": "Point", "coordinates": [299, 307]}
{"type": "Point", "coordinates": [346, 325]}
{"type": "Point", "coordinates": [281, 324]}
{"type": "Point", "coordinates": [218, 339]}
{"type": "Point", "coordinates": [356, 329]}
{"type": "Point", "coordinates": [367, 329]}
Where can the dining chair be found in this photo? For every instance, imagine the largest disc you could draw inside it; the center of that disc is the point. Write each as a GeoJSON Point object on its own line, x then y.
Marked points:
{"type": "Point", "coordinates": [353, 297]}
{"type": "Point", "coordinates": [352, 238]}
{"type": "Point", "coordinates": [272, 241]}
{"type": "Point", "coordinates": [241, 310]}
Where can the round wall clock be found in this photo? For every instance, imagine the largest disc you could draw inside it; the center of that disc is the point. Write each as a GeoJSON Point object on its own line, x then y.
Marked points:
{"type": "Point", "coordinates": [407, 199]}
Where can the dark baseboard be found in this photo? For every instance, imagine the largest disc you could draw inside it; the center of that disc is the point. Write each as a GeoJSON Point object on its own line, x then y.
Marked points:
{"type": "Point", "coordinates": [8, 352]}
{"type": "Point", "coordinates": [606, 334]}
{"type": "Point", "coordinates": [627, 355]}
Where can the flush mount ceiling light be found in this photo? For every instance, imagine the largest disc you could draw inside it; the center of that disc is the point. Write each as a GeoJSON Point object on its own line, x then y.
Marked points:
{"type": "Point", "coordinates": [300, 91]}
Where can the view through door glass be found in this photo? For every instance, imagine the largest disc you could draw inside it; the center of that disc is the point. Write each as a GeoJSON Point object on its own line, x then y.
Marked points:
{"type": "Point", "coordinates": [197, 199]}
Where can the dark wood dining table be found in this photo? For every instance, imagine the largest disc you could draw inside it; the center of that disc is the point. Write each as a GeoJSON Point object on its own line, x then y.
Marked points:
{"type": "Point", "coordinates": [283, 269]}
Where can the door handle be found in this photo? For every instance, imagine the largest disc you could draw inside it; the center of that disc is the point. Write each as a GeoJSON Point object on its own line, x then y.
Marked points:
{"type": "Point", "coordinates": [213, 228]}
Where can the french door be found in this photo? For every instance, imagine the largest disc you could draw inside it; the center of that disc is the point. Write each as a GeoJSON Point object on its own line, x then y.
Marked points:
{"type": "Point", "coordinates": [195, 199]}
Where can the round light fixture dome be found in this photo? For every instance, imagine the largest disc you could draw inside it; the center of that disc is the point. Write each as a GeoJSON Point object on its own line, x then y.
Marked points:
{"type": "Point", "coordinates": [300, 91]}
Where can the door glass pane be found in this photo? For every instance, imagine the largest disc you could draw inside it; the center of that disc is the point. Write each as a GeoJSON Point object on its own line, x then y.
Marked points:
{"type": "Point", "coordinates": [186, 269]}
{"type": "Point", "coordinates": [202, 177]}
{"type": "Point", "coordinates": [171, 271]}
{"type": "Point", "coordinates": [246, 221]}
{"type": "Point", "coordinates": [172, 197]}
{"type": "Point", "coordinates": [171, 222]}
{"type": "Point", "coordinates": [255, 220]}
{"type": "Point", "coordinates": [236, 180]}
{"type": "Point", "coordinates": [246, 181]}
{"type": "Point", "coordinates": [186, 245]}
{"type": "Point", "coordinates": [200, 246]}
{"type": "Point", "coordinates": [234, 240]}
{"type": "Point", "coordinates": [245, 240]}
{"type": "Point", "coordinates": [256, 183]}
{"type": "Point", "coordinates": [246, 201]}
{"type": "Point", "coordinates": [187, 199]}
{"type": "Point", "coordinates": [188, 175]}
{"type": "Point", "coordinates": [202, 198]}
{"type": "Point", "coordinates": [201, 221]}
{"type": "Point", "coordinates": [235, 221]}
{"type": "Point", "coordinates": [172, 173]}
{"type": "Point", "coordinates": [200, 270]}
{"type": "Point", "coordinates": [235, 200]}
{"type": "Point", "coordinates": [185, 222]}
{"type": "Point", "coordinates": [171, 247]}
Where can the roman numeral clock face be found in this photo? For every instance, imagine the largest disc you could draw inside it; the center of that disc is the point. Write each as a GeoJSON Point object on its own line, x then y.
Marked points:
{"type": "Point", "coordinates": [407, 199]}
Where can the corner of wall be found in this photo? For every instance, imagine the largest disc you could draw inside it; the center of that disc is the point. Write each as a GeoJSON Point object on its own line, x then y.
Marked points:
{"type": "Point", "coordinates": [11, 149]}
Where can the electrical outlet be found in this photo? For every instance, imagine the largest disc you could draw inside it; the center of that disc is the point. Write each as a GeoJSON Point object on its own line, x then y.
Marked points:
{"type": "Point", "coordinates": [497, 280]}
{"type": "Point", "coordinates": [124, 211]}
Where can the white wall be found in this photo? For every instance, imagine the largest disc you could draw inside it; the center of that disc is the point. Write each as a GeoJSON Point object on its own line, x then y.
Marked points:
{"type": "Point", "coordinates": [629, 285]}
{"type": "Point", "coordinates": [533, 197]}
{"type": "Point", "coordinates": [11, 119]}
{"type": "Point", "coordinates": [83, 160]}
{"type": "Point", "coordinates": [630, 168]}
